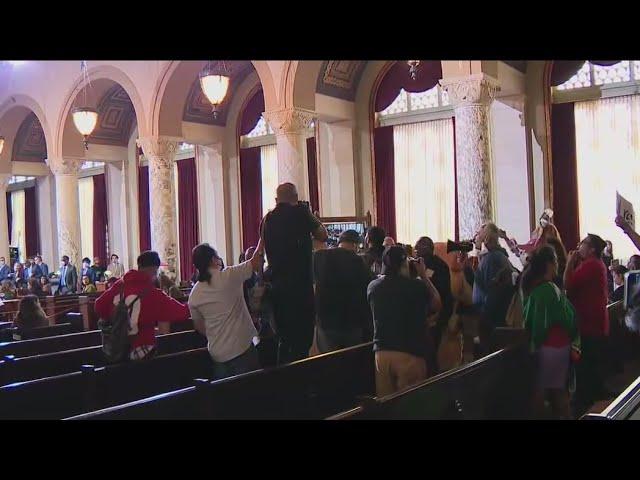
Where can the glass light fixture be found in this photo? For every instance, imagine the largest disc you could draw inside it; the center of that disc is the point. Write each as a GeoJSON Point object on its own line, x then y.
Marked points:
{"type": "Point", "coordinates": [215, 84]}
{"type": "Point", "coordinates": [85, 118]}
{"type": "Point", "coordinates": [1, 144]}
{"type": "Point", "coordinates": [413, 68]}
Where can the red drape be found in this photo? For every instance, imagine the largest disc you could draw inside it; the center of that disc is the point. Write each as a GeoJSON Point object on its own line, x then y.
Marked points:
{"type": "Point", "coordinates": [9, 215]}
{"type": "Point", "coordinates": [31, 231]}
{"type": "Point", "coordinates": [144, 219]}
{"type": "Point", "coordinates": [100, 218]}
{"type": "Point", "coordinates": [312, 166]}
{"type": "Point", "coordinates": [565, 174]}
{"type": "Point", "coordinates": [188, 233]}
{"type": "Point", "coordinates": [397, 78]}
{"type": "Point", "coordinates": [252, 112]}
{"type": "Point", "coordinates": [251, 195]}
{"type": "Point", "coordinates": [385, 179]}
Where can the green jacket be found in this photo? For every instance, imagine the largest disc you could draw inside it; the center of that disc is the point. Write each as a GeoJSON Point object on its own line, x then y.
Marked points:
{"type": "Point", "coordinates": [546, 306]}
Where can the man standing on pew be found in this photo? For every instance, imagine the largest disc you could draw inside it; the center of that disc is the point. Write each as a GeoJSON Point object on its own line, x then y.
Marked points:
{"type": "Point", "coordinates": [149, 304]}
{"type": "Point", "coordinates": [287, 232]}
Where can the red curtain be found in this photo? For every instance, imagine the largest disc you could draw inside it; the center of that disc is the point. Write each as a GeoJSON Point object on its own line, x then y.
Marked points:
{"type": "Point", "coordinates": [385, 179]}
{"type": "Point", "coordinates": [312, 166]}
{"type": "Point", "coordinates": [9, 215]}
{"type": "Point", "coordinates": [188, 233]}
{"type": "Point", "coordinates": [31, 231]}
{"type": "Point", "coordinates": [251, 195]}
{"type": "Point", "coordinates": [144, 220]}
{"type": "Point", "coordinates": [252, 112]}
{"type": "Point", "coordinates": [565, 174]}
{"type": "Point", "coordinates": [397, 78]}
{"type": "Point", "coordinates": [100, 218]}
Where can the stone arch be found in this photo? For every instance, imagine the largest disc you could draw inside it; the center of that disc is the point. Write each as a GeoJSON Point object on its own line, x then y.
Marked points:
{"type": "Point", "coordinates": [108, 76]}
{"type": "Point", "coordinates": [12, 114]}
{"type": "Point", "coordinates": [173, 87]}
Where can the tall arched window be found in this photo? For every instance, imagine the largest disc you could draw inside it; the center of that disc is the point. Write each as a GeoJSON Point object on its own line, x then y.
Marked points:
{"type": "Point", "coordinates": [606, 115]}
{"type": "Point", "coordinates": [421, 157]}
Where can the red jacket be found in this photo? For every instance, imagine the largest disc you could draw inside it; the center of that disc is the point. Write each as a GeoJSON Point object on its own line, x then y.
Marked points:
{"type": "Point", "coordinates": [156, 306]}
{"type": "Point", "coordinates": [587, 291]}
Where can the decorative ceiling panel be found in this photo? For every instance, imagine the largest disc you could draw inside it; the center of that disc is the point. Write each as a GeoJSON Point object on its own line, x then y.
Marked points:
{"type": "Point", "coordinates": [340, 78]}
{"type": "Point", "coordinates": [520, 65]}
{"type": "Point", "coordinates": [116, 117]}
{"type": "Point", "coordinates": [30, 144]}
{"type": "Point", "coordinates": [198, 109]}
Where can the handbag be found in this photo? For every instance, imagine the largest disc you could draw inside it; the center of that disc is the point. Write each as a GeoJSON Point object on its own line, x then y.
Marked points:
{"type": "Point", "coordinates": [515, 313]}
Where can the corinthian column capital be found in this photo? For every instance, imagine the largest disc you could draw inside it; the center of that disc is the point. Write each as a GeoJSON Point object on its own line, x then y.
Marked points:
{"type": "Point", "coordinates": [476, 89]}
{"type": "Point", "coordinates": [64, 166]}
{"type": "Point", "coordinates": [289, 120]}
{"type": "Point", "coordinates": [159, 149]}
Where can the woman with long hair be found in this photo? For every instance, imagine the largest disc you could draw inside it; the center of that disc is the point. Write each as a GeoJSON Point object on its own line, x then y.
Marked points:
{"type": "Point", "coordinates": [374, 241]}
{"type": "Point", "coordinates": [550, 319]}
{"type": "Point", "coordinates": [219, 310]}
{"type": "Point", "coordinates": [30, 314]}
{"type": "Point", "coordinates": [561, 255]}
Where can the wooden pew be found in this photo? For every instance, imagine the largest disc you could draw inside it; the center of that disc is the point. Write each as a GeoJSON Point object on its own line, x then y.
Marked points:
{"type": "Point", "coordinates": [497, 386]}
{"type": "Point", "coordinates": [312, 388]}
{"type": "Point", "coordinates": [625, 407]}
{"type": "Point", "coordinates": [100, 387]}
{"type": "Point", "coordinates": [39, 346]}
{"type": "Point", "coordinates": [4, 325]}
{"type": "Point", "coordinates": [39, 366]}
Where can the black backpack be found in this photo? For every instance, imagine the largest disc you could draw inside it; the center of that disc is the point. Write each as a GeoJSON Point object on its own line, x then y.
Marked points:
{"type": "Point", "coordinates": [115, 331]}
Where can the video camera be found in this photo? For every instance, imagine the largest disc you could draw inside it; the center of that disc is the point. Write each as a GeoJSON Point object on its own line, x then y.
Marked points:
{"type": "Point", "coordinates": [464, 246]}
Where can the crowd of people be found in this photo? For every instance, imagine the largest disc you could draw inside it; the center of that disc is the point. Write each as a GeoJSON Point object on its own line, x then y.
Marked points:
{"type": "Point", "coordinates": [424, 306]}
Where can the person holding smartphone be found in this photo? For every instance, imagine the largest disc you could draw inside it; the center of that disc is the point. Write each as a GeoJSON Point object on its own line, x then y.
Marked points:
{"type": "Point", "coordinates": [401, 306]}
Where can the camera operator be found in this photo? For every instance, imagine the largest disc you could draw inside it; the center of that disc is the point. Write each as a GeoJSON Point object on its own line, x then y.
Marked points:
{"type": "Point", "coordinates": [287, 231]}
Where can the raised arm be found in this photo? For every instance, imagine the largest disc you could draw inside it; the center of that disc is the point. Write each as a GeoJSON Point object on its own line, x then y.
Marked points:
{"type": "Point", "coordinates": [436, 301]}
{"type": "Point", "coordinates": [626, 228]}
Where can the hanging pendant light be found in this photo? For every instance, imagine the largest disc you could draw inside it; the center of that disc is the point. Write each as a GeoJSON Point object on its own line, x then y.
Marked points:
{"type": "Point", "coordinates": [85, 118]}
{"type": "Point", "coordinates": [215, 84]}
{"type": "Point", "coordinates": [413, 68]}
{"type": "Point", "coordinates": [1, 144]}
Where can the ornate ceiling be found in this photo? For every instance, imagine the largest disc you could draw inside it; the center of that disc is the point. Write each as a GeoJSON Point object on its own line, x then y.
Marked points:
{"type": "Point", "coordinates": [116, 117]}
{"type": "Point", "coordinates": [520, 65]}
{"type": "Point", "coordinates": [30, 144]}
{"type": "Point", "coordinates": [198, 109]}
{"type": "Point", "coordinates": [339, 78]}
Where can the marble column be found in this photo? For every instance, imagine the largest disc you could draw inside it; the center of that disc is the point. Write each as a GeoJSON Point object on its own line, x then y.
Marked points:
{"type": "Point", "coordinates": [66, 171]}
{"type": "Point", "coordinates": [160, 152]}
{"type": "Point", "coordinates": [4, 225]}
{"type": "Point", "coordinates": [290, 125]}
{"type": "Point", "coordinates": [471, 97]}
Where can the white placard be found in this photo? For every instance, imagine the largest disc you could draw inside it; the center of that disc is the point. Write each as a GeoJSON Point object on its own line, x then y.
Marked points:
{"type": "Point", "coordinates": [625, 210]}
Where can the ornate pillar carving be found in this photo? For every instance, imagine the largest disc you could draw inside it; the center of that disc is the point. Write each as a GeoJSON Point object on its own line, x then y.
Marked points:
{"type": "Point", "coordinates": [160, 152]}
{"type": "Point", "coordinates": [4, 230]}
{"type": "Point", "coordinates": [471, 97]}
{"type": "Point", "coordinates": [66, 171]}
{"type": "Point", "coordinates": [290, 125]}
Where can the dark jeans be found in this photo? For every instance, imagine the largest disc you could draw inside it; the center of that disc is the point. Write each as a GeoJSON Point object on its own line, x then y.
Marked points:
{"type": "Point", "coordinates": [589, 374]}
{"type": "Point", "coordinates": [293, 319]}
{"type": "Point", "coordinates": [247, 362]}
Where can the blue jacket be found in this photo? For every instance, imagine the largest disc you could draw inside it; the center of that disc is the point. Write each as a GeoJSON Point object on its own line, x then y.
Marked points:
{"type": "Point", "coordinates": [4, 272]}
